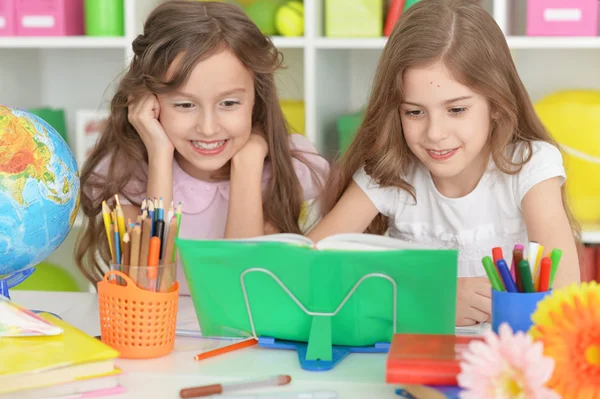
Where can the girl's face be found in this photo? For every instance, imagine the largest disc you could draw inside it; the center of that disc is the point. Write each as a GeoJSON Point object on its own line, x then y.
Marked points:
{"type": "Point", "coordinates": [209, 118]}
{"type": "Point", "coordinates": [446, 125]}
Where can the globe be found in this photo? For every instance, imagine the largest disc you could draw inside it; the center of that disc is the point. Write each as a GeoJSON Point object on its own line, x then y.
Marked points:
{"type": "Point", "coordinates": [39, 193]}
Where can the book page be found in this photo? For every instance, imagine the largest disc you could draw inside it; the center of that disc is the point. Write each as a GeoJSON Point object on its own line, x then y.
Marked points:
{"type": "Point", "coordinates": [288, 238]}
{"type": "Point", "coordinates": [475, 330]}
{"type": "Point", "coordinates": [364, 242]}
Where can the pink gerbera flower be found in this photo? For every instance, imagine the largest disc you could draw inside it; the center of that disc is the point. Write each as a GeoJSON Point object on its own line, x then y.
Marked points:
{"type": "Point", "coordinates": [506, 366]}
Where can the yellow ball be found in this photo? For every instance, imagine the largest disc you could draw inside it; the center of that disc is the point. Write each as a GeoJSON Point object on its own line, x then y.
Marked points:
{"type": "Point", "coordinates": [289, 19]}
{"type": "Point", "coordinates": [573, 118]}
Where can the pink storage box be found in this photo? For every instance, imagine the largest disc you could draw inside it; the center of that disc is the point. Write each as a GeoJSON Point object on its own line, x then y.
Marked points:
{"type": "Point", "coordinates": [7, 18]}
{"type": "Point", "coordinates": [562, 17]}
{"type": "Point", "coordinates": [49, 17]}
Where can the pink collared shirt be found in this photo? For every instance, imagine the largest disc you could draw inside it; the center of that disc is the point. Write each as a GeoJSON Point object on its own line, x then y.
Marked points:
{"type": "Point", "coordinates": [205, 204]}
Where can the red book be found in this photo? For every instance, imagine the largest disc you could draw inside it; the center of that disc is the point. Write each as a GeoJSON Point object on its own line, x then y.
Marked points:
{"type": "Point", "coordinates": [426, 359]}
{"type": "Point", "coordinates": [597, 264]}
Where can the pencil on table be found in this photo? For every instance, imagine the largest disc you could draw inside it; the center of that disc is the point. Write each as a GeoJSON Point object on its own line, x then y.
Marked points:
{"type": "Point", "coordinates": [230, 348]}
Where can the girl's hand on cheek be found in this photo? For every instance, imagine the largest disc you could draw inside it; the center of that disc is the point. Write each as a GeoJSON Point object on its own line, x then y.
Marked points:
{"type": "Point", "coordinates": [143, 115]}
{"type": "Point", "coordinates": [254, 150]}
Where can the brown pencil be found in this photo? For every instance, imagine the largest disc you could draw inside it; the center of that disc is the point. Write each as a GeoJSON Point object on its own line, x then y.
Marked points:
{"type": "Point", "coordinates": [126, 252]}
{"type": "Point", "coordinates": [145, 242]}
{"type": "Point", "coordinates": [136, 236]}
{"type": "Point", "coordinates": [125, 255]}
{"type": "Point", "coordinates": [168, 255]}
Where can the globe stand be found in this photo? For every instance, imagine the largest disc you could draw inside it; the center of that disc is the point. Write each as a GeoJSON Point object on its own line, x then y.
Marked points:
{"type": "Point", "coordinates": [13, 280]}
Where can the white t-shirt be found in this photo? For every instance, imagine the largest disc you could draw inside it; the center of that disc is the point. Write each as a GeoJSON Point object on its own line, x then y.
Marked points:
{"type": "Point", "coordinates": [488, 217]}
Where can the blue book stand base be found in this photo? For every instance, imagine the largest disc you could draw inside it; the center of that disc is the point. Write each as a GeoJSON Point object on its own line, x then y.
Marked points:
{"type": "Point", "coordinates": [338, 352]}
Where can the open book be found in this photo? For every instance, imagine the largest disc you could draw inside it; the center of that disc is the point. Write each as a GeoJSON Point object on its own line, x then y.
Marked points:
{"type": "Point", "coordinates": [347, 242]}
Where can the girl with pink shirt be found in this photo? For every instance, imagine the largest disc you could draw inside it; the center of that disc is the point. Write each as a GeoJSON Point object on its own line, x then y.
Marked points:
{"type": "Point", "coordinates": [196, 119]}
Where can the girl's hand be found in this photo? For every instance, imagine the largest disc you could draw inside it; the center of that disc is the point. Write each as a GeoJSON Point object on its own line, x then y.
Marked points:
{"type": "Point", "coordinates": [255, 149]}
{"type": "Point", "coordinates": [473, 301]}
{"type": "Point", "coordinates": [143, 115]}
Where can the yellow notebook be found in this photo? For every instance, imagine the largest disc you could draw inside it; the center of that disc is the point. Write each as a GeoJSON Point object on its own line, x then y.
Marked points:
{"type": "Point", "coordinates": [44, 360]}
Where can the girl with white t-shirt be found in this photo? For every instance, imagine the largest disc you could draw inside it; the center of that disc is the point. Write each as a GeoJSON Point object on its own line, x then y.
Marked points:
{"type": "Point", "coordinates": [451, 153]}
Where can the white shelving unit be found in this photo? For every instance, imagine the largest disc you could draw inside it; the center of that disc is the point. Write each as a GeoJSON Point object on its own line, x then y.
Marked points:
{"type": "Point", "coordinates": [332, 75]}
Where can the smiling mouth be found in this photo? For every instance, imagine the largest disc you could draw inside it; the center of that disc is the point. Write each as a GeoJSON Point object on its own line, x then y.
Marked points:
{"type": "Point", "coordinates": [441, 155]}
{"type": "Point", "coordinates": [209, 147]}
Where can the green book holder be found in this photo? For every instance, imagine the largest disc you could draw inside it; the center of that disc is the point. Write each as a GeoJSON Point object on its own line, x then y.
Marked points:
{"type": "Point", "coordinates": [320, 298]}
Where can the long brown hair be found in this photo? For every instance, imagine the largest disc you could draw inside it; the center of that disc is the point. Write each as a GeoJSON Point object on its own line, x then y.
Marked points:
{"type": "Point", "coordinates": [198, 30]}
{"type": "Point", "coordinates": [462, 35]}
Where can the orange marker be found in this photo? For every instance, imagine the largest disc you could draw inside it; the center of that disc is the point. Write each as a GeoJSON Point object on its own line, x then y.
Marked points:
{"type": "Point", "coordinates": [153, 258]}
{"type": "Point", "coordinates": [545, 270]}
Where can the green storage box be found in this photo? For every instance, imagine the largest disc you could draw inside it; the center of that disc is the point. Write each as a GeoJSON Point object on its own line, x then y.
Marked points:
{"type": "Point", "coordinates": [353, 18]}
{"type": "Point", "coordinates": [347, 127]}
{"type": "Point", "coordinates": [104, 17]}
{"type": "Point", "coordinates": [271, 288]}
{"type": "Point", "coordinates": [54, 117]}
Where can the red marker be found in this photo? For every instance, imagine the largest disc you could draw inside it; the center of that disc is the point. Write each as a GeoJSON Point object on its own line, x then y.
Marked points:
{"type": "Point", "coordinates": [545, 270]}
{"type": "Point", "coordinates": [496, 256]}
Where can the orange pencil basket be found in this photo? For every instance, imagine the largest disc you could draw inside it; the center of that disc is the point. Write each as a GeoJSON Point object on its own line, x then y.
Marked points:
{"type": "Point", "coordinates": [138, 323]}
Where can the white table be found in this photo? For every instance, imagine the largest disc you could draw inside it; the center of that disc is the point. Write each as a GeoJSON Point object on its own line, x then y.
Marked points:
{"type": "Point", "coordinates": [357, 376]}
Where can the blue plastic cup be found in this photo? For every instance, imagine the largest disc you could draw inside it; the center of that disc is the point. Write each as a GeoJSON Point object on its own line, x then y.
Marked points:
{"type": "Point", "coordinates": [515, 308]}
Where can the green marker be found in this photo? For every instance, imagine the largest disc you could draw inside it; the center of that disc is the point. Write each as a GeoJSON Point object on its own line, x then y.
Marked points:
{"type": "Point", "coordinates": [526, 276]}
{"type": "Point", "coordinates": [490, 269]}
{"type": "Point", "coordinates": [555, 256]}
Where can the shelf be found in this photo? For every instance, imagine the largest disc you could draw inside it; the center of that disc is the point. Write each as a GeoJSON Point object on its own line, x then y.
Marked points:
{"type": "Point", "coordinates": [514, 42]}
{"type": "Point", "coordinates": [530, 42]}
{"type": "Point", "coordinates": [350, 43]}
{"type": "Point", "coordinates": [288, 42]}
{"type": "Point", "coordinates": [63, 42]}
